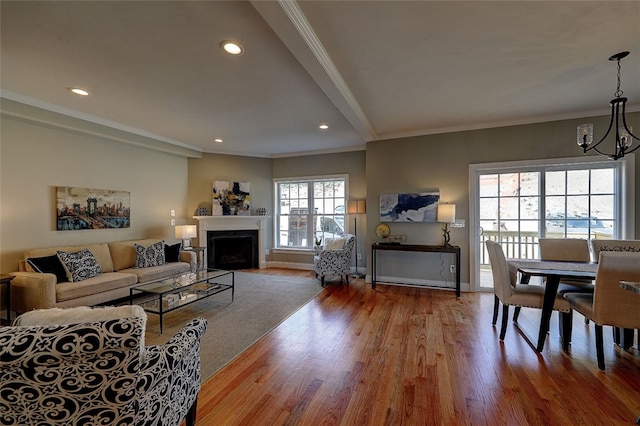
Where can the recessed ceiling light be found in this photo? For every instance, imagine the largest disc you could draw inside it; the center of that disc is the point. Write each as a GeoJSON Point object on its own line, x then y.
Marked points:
{"type": "Point", "coordinates": [218, 140]}
{"type": "Point", "coordinates": [78, 91]}
{"type": "Point", "coordinates": [323, 126]}
{"type": "Point", "coordinates": [231, 47]}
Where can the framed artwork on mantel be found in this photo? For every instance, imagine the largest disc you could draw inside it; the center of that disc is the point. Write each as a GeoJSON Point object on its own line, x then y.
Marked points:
{"type": "Point", "coordinates": [87, 208]}
{"type": "Point", "coordinates": [409, 207]}
{"type": "Point", "coordinates": [231, 198]}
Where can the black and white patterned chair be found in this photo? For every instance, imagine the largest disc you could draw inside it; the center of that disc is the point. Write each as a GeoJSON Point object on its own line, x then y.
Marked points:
{"type": "Point", "coordinates": [334, 261]}
{"type": "Point", "coordinates": [98, 372]}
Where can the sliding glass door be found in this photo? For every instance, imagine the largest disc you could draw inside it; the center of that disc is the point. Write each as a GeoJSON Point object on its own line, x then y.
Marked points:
{"type": "Point", "coordinates": [515, 204]}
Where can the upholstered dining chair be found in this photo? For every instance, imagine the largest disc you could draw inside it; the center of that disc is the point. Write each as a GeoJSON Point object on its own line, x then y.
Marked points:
{"type": "Point", "coordinates": [510, 293]}
{"type": "Point", "coordinates": [572, 250]}
{"type": "Point", "coordinates": [610, 304]}
{"type": "Point", "coordinates": [334, 258]}
{"type": "Point", "coordinates": [598, 246]}
{"type": "Point", "coordinates": [623, 337]}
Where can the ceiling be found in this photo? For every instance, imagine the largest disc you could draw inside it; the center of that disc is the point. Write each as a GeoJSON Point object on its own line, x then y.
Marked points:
{"type": "Point", "coordinates": [371, 70]}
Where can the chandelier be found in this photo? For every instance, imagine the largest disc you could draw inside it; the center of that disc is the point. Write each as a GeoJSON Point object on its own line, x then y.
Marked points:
{"type": "Point", "coordinates": [624, 136]}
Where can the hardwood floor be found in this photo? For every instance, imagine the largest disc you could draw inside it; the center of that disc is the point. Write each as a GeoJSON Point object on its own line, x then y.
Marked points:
{"type": "Point", "coordinates": [401, 355]}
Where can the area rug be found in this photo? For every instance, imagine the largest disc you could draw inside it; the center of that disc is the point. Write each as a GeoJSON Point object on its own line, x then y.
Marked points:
{"type": "Point", "coordinates": [261, 303]}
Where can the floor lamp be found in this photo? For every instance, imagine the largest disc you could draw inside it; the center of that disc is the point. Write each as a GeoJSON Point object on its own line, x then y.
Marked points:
{"type": "Point", "coordinates": [355, 208]}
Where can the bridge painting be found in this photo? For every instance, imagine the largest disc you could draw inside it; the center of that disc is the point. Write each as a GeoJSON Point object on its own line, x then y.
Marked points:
{"type": "Point", "coordinates": [86, 208]}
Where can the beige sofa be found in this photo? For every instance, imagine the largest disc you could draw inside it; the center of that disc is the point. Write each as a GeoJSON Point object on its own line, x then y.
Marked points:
{"type": "Point", "coordinates": [34, 290]}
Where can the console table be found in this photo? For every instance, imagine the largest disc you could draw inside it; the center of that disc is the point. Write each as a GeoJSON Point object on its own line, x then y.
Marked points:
{"type": "Point", "coordinates": [376, 247]}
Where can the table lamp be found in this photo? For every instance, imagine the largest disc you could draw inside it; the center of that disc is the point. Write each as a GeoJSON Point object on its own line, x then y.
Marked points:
{"type": "Point", "coordinates": [446, 215]}
{"type": "Point", "coordinates": [186, 232]}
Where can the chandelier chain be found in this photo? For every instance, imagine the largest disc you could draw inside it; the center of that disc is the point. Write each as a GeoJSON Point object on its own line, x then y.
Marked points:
{"type": "Point", "coordinates": [618, 91]}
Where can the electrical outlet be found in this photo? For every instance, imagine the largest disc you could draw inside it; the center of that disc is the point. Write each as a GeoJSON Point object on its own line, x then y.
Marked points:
{"type": "Point", "coordinates": [266, 252]}
{"type": "Point", "coordinates": [359, 256]}
{"type": "Point", "coordinates": [173, 212]}
{"type": "Point", "coordinates": [173, 222]}
{"type": "Point", "coordinates": [452, 268]}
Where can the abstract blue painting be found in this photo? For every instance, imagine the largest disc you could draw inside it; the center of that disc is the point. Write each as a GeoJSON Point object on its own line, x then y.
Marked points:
{"type": "Point", "coordinates": [409, 207]}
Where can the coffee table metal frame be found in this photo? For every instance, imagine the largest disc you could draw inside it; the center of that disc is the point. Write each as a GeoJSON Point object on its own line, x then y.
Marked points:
{"type": "Point", "coordinates": [181, 290]}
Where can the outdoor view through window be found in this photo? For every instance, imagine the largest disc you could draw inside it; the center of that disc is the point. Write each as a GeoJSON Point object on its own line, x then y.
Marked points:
{"type": "Point", "coordinates": [518, 208]}
{"type": "Point", "coordinates": [310, 211]}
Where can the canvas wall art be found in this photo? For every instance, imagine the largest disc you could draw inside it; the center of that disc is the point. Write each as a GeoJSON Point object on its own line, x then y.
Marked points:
{"type": "Point", "coordinates": [88, 208]}
{"type": "Point", "coordinates": [409, 207]}
{"type": "Point", "coordinates": [231, 198]}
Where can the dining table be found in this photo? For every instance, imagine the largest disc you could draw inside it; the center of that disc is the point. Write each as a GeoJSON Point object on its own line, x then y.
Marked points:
{"type": "Point", "coordinates": [553, 272]}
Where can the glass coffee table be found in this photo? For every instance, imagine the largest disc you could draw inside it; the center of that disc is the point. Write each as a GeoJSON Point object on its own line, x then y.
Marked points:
{"type": "Point", "coordinates": [173, 293]}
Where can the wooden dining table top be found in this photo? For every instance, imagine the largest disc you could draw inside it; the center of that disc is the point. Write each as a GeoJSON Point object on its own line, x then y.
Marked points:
{"type": "Point", "coordinates": [553, 265]}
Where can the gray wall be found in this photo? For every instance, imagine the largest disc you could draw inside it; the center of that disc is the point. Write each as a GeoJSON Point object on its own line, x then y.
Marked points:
{"type": "Point", "coordinates": [40, 150]}
{"type": "Point", "coordinates": [350, 163]}
{"type": "Point", "coordinates": [212, 167]}
{"type": "Point", "coordinates": [442, 162]}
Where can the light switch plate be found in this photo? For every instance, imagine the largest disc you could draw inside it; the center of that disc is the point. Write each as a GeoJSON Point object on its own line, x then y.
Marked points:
{"type": "Point", "coordinates": [173, 222]}
{"type": "Point", "coordinates": [173, 213]}
{"type": "Point", "coordinates": [459, 223]}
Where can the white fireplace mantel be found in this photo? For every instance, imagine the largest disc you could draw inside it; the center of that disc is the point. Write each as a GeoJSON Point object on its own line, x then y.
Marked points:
{"type": "Point", "coordinates": [233, 223]}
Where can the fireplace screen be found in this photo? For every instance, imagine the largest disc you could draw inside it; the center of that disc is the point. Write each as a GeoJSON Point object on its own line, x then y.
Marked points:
{"type": "Point", "coordinates": [232, 249]}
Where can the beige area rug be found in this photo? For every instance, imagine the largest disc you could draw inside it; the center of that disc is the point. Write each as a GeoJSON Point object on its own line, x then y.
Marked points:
{"type": "Point", "coordinates": [261, 303]}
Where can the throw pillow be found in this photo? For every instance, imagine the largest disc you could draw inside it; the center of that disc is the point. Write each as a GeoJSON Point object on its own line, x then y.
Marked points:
{"type": "Point", "coordinates": [334, 243]}
{"type": "Point", "coordinates": [80, 265]}
{"type": "Point", "coordinates": [172, 253]}
{"type": "Point", "coordinates": [49, 265]}
{"type": "Point", "coordinates": [150, 256]}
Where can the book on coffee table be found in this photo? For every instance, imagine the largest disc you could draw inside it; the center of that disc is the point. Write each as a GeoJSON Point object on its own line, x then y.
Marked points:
{"type": "Point", "coordinates": [204, 287]}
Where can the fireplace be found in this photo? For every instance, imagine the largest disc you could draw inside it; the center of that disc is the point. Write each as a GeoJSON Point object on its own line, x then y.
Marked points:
{"type": "Point", "coordinates": [207, 224]}
{"type": "Point", "coordinates": [232, 249]}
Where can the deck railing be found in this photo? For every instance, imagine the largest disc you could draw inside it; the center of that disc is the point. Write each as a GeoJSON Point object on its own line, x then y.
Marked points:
{"type": "Point", "coordinates": [515, 244]}
{"type": "Point", "coordinates": [523, 245]}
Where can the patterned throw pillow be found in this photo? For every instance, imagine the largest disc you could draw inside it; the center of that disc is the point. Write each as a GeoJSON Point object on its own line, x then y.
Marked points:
{"type": "Point", "coordinates": [150, 256]}
{"type": "Point", "coordinates": [79, 265]}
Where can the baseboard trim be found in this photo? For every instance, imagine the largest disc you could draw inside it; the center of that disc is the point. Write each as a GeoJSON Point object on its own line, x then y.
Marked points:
{"type": "Point", "coordinates": [290, 265]}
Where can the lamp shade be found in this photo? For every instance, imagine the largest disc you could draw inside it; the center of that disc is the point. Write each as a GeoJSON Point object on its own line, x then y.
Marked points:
{"type": "Point", "coordinates": [186, 231]}
{"type": "Point", "coordinates": [446, 213]}
{"type": "Point", "coordinates": [357, 207]}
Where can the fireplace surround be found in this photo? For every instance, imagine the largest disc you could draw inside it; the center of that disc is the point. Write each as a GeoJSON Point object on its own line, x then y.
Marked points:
{"type": "Point", "coordinates": [233, 224]}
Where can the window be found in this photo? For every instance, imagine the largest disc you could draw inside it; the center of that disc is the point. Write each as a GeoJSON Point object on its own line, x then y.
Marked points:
{"type": "Point", "coordinates": [518, 207]}
{"type": "Point", "coordinates": [518, 203]}
{"type": "Point", "coordinates": [308, 210]}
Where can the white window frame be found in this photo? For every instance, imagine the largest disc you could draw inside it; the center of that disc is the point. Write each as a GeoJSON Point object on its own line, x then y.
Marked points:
{"type": "Point", "coordinates": [625, 187]}
{"type": "Point", "coordinates": [276, 203]}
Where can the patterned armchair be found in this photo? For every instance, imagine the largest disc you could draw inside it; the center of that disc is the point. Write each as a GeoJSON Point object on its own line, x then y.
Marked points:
{"type": "Point", "coordinates": [98, 372]}
{"type": "Point", "coordinates": [329, 260]}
